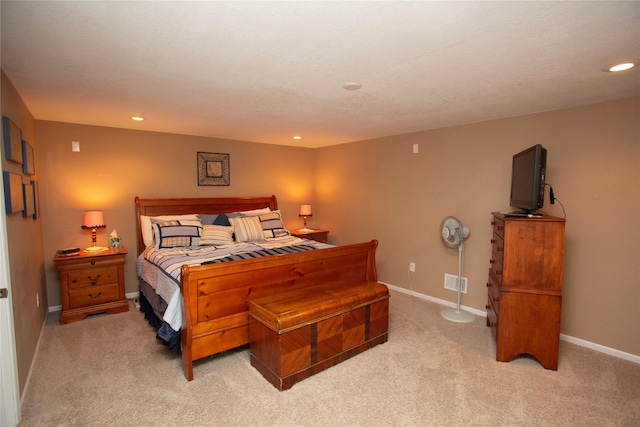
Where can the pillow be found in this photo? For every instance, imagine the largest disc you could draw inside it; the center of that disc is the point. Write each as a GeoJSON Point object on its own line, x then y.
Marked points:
{"type": "Point", "coordinates": [247, 229]}
{"type": "Point", "coordinates": [216, 235]}
{"type": "Point", "coordinates": [147, 229]}
{"type": "Point", "coordinates": [253, 212]}
{"type": "Point", "coordinates": [207, 219]}
{"type": "Point", "coordinates": [222, 219]}
{"type": "Point", "coordinates": [272, 225]}
{"type": "Point", "coordinates": [174, 233]}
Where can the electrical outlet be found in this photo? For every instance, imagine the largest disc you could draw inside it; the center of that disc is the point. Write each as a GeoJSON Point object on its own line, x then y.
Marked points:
{"type": "Point", "coordinates": [451, 283]}
{"type": "Point", "coordinates": [412, 267]}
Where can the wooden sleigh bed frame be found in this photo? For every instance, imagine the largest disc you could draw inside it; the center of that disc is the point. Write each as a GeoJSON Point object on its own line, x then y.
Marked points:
{"type": "Point", "coordinates": [216, 296]}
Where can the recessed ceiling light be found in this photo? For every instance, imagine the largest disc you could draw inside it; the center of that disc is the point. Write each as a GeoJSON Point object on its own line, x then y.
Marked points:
{"type": "Point", "coordinates": [297, 137]}
{"type": "Point", "coordinates": [137, 118]}
{"type": "Point", "coordinates": [352, 86]}
{"type": "Point", "coordinates": [622, 66]}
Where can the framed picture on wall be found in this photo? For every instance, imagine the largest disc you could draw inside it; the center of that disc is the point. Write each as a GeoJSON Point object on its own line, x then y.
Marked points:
{"type": "Point", "coordinates": [13, 193]}
{"type": "Point", "coordinates": [36, 207]}
{"type": "Point", "coordinates": [28, 162]}
{"type": "Point", "coordinates": [12, 136]}
{"type": "Point", "coordinates": [213, 169]}
{"type": "Point", "coordinates": [29, 204]}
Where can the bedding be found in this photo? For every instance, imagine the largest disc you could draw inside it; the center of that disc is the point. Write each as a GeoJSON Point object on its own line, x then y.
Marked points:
{"type": "Point", "coordinates": [160, 264]}
{"type": "Point", "coordinates": [210, 308]}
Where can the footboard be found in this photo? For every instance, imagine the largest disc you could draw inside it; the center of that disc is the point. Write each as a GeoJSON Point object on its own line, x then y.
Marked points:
{"type": "Point", "coordinates": [216, 296]}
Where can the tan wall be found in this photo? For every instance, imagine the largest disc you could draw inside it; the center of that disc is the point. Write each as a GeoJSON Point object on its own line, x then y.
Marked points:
{"type": "Point", "coordinates": [24, 237]}
{"type": "Point", "coordinates": [116, 165]}
{"type": "Point", "coordinates": [363, 190]}
{"type": "Point", "coordinates": [379, 189]}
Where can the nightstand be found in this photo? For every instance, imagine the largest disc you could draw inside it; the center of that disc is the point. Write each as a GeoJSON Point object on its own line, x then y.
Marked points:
{"type": "Point", "coordinates": [317, 235]}
{"type": "Point", "coordinates": [91, 283]}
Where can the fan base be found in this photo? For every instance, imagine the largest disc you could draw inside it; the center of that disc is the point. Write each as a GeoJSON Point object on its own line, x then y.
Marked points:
{"type": "Point", "coordinates": [458, 316]}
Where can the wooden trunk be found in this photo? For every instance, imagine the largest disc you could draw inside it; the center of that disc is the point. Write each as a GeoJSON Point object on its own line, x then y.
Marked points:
{"type": "Point", "coordinates": [299, 333]}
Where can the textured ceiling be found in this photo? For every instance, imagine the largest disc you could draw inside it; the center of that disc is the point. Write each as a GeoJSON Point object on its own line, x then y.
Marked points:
{"type": "Point", "coordinates": [265, 71]}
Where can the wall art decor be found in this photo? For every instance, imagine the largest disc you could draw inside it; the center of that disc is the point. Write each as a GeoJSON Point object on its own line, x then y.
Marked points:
{"type": "Point", "coordinates": [28, 161]}
{"type": "Point", "coordinates": [12, 136]}
{"type": "Point", "coordinates": [36, 205]}
{"type": "Point", "coordinates": [13, 198]}
{"type": "Point", "coordinates": [213, 169]}
{"type": "Point", "coordinates": [29, 205]}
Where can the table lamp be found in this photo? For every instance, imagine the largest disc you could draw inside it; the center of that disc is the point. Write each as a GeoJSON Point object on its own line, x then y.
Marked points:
{"type": "Point", "coordinates": [93, 220]}
{"type": "Point", "coordinates": [305, 212]}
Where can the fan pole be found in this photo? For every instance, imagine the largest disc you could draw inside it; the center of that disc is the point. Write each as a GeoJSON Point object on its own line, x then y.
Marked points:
{"type": "Point", "coordinates": [458, 315]}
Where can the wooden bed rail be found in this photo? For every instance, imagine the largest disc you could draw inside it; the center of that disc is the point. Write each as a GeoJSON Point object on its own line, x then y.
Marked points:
{"type": "Point", "coordinates": [216, 296]}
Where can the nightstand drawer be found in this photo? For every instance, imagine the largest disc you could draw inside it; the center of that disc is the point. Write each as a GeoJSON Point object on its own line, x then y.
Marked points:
{"type": "Point", "coordinates": [93, 295]}
{"type": "Point", "coordinates": [92, 277]}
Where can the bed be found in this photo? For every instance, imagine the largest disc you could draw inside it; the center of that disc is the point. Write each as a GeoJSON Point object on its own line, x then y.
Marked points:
{"type": "Point", "coordinates": [198, 303]}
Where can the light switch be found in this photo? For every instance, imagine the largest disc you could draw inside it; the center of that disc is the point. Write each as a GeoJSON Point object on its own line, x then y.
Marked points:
{"type": "Point", "coordinates": [415, 148]}
{"type": "Point", "coordinates": [75, 146]}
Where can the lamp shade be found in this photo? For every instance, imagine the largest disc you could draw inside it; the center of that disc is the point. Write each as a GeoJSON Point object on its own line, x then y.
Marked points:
{"type": "Point", "coordinates": [93, 219]}
{"type": "Point", "coordinates": [305, 210]}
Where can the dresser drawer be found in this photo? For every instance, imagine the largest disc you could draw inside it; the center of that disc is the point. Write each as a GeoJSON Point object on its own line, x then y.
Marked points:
{"type": "Point", "coordinates": [93, 296]}
{"type": "Point", "coordinates": [492, 316]}
{"type": "Point", "coordinates": [498, 227]}
{"type": "Point", "coordinates": [495, 268]}
{"type": "Point", "coordinates": [497, 247]}
{"type": "Point", "coordinates": [494, 292]}
{"type": "Point", "coordinates": [92, 277]}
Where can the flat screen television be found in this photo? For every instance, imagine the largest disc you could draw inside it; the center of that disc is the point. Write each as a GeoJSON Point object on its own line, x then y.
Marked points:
{"type": "Point", "coordinates": [527, 179]}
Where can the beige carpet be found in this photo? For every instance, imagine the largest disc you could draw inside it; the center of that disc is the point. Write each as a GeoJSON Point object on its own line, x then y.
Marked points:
{"type": "Point", "coordinates": [109, 370]}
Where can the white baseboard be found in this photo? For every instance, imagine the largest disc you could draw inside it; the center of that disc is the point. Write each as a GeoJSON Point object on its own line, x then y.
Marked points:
{"type": "Point", "coordinates": [600, 348]}
{"type": "Point", "coordinates": [437, 300]}
{"type": "Point", "coordinates": [55, 308]}
{"type": "Point", "coordinates": [33, 361]}
{"type": "Point", "coordinates": [593, 346]}
{"type": "Point", "coordinates": [590, 345]}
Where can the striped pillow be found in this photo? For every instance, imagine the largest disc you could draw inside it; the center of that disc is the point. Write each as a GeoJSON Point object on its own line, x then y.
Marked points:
{"type": "Point", "coordinates": [216, 235]}
{"type": "Point", "coordinates": [173, 234]}
{"type": "Point", "coordinates": [247, 229]}
{"type": "Point", "coordinates": [272, 225]}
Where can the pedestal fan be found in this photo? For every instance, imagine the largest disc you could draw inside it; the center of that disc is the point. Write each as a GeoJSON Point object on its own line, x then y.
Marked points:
{"type": "Point", "coordinates": [453, 234]}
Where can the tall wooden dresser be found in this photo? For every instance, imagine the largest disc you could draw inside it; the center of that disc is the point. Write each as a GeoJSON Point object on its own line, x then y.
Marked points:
{"type": "Point", "coordinates": [525, 287]}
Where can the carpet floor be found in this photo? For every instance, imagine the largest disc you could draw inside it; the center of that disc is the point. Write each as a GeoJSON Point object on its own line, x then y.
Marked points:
{"type": "Point", "coordinates": [109, 370]}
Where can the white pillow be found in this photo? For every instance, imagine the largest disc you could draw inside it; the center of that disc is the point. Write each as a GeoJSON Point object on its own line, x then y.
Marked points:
{"type": "Point", "coordinates": [176, 233]}
{"type": "Point", "coordinates": [147, 230]}
{"type": "Point", "coordinates": [253, 212]}
{"type": "Point", "coordinates": [272, 225]}
{"type": "Point", "coordinates": [216, 235]}
{"type": "Point", "coordinates": [247, 229]}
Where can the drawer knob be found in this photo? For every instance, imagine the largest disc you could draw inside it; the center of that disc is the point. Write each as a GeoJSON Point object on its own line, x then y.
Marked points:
{"type": "Point", "coordinates": [488, 285]}
{"type": "Point", "coordinates": [486, 306]}
{"type": "Point", "coordinates": [492, 261]}
{"type": "Point", "coordinates": [95, 296]}
{"type": "Point", "coordinates": [93, 263]}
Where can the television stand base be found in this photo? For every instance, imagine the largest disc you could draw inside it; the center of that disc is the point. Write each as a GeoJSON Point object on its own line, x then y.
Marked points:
{"type": "Point", "coordinates": [522, 214]}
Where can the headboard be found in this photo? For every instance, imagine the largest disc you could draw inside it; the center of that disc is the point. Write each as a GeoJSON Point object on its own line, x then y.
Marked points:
{"type": "Point", "coordinates": [157, 207]}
